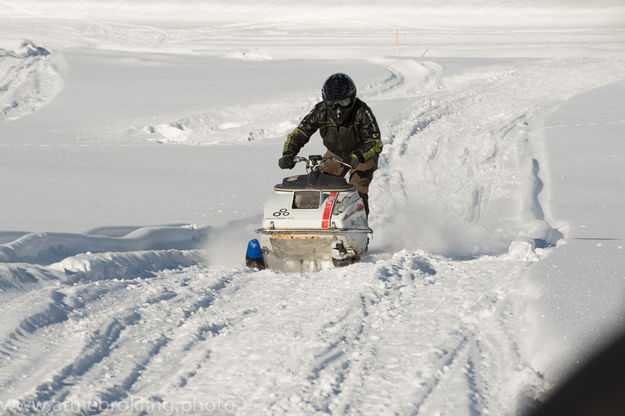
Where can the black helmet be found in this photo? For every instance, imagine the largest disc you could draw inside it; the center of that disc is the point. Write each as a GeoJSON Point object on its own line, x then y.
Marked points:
{"type": "Point", "coordinates": [339, 94]}
{"type": "Point", "coordinates": [338, 87]}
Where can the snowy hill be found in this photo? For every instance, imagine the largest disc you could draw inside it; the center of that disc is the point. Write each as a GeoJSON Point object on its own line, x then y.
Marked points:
{"type": "Point", "coordinates": [139, 141]}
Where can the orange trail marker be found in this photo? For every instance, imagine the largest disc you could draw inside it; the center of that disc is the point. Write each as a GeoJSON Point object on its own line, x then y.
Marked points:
{"type": "Point", "coordinates": [396, 40]}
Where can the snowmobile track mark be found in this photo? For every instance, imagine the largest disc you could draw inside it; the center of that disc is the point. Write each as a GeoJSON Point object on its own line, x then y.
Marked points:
{"type": "Point", "coordinates": [189, 336]}
{"type": "Point", "coordinates": [119, 392]}
{"type": "Point", "coordinates": [56, 312]}
{"type": "Point", "coordinates": [447, 360]}
{"type": "Point", "coordinates": [477, 384]}
{"type": "Point", "coordinates": [96, 350]}
{"type": "Point", "coordinates": [208, 297]}
{"type": "Point", "coordinates": [334, 365]}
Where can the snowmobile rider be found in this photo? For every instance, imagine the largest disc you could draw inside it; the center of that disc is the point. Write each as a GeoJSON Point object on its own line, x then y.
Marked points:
{"type": "Point", "coordinates": [348, 129]}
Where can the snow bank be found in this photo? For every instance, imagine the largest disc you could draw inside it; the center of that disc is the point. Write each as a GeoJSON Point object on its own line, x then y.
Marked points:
{"type": "Point", "coordinates": [29, 79]}
{"type": "Point", "coordinates": [459, 174]}
{"type": "Point", "coordinates": [236, 124]}
{"type": "Point", "coordinates": [46, 248]}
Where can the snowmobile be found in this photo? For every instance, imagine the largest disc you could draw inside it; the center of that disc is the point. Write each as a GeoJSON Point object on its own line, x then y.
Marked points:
{"type": "Point", "coordinates": [311, 222]}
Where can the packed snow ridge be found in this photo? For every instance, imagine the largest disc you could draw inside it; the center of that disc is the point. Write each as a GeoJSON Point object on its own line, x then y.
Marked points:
{"type": "Point", "coordinates": [29, 79]}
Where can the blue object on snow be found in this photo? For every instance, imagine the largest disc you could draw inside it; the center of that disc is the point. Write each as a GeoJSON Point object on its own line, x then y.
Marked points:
{"type": "Point", "coordinates": [254, 256]}
{"type": "Point", "coordinates": [253, 250]}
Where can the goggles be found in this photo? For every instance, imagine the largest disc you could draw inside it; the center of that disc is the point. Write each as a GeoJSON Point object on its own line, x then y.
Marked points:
{"type": "Point", "coordinates": [339, 103]}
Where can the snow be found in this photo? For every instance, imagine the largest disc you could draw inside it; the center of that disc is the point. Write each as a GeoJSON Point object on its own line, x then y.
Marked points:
{"type": "Point", "coordinates": [29, 80]}
{"type": "Point", "coordinates": [139, 140]}
{"type": "Point", "coordinates": [585, 200]}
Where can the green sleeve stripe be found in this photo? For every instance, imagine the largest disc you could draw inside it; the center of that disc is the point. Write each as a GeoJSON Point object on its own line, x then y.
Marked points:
{"type": "Point", "coordinates": [287, 143]}
{"type": "Point", "coordinates": [289, 139]}
{"type": "Point", "coordinates": [377, 148]}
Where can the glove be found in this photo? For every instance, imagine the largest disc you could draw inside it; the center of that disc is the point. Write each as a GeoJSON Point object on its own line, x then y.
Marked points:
{"type": "Point", "coordinates": [355, 158]}
{"type": "Point", "coordinates": [287, 161]}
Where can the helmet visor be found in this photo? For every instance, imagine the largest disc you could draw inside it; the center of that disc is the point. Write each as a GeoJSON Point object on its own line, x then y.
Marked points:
{"type": "Point", "coordinates": [339, 103]}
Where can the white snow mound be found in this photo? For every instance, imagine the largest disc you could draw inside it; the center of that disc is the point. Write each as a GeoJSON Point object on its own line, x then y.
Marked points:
{"type": "Point", "coordinates": [29, 79]}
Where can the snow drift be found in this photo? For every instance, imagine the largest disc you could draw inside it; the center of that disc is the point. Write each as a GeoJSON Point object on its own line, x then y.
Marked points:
{"type": "Point", "coordinates": [29, 79]}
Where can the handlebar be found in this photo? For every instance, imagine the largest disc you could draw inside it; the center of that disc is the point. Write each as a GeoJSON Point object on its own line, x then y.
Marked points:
{"type": "Point", "coordinates": [314, 162]}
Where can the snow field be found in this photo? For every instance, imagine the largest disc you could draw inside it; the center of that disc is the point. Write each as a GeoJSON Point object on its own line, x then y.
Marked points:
{"type": "Point", "coordinates": [440, 318]}
{"type": "Point", "coordinates": [325, 14]}
{"type": "Point", "coordinates": [582, 281]}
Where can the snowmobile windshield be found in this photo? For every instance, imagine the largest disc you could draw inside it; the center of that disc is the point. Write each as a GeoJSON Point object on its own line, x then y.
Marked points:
{"type": "Point", "coordinates": [306, 200]}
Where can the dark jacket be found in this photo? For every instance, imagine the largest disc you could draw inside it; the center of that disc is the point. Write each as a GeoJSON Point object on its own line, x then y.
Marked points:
{"type": "Point", "coordinates": [359, 132]}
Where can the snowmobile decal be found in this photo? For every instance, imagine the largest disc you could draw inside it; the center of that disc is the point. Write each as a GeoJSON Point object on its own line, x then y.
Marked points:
{"type": "Point", "coordinates": [327, 212]}
{"type": "Point", "coordinates": [283, 211]}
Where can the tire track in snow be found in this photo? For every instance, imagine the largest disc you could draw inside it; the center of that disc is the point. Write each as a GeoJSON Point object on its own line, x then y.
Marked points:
{"type": "Point", "coordinates": [120, 347]}
{"type": "Point", "coordinates": [449, 358]}
{"type": "Point", "coordinates": [78, 289]}
{"type": "Point", "coordinates": [407, 78]}
{"type": "Point", "coordinates": [369, 342]}
{"type": "Point", "coordinates": [340, 368]}
{"type": "Point", "coordinates": [52, 313]}
{"type": "Point", "coordinates": [420, 323]}
{"type": "Point", "coordinates": [93, 268]}
{"type": "Point", "coordinates": [98, 347]}
{"type": "Point", "coordinates": [160, 331]}
{"type": "Point", "coordinates": [48, 313]}
{"type": "Point", "coordinates": [81, 283]}
{"type": "Point", "coordinates": [465, 363]}
{"type": "Point", "coordinates": [191, 338]}
{"type": "Point", "coordinates": [362, 335]}
{"type": "Point", "coordinates": [119, 392]}
{"type": "Point", "coordinates": [252, 307]}
{"type": "Point", "coordinates": [332, 367]}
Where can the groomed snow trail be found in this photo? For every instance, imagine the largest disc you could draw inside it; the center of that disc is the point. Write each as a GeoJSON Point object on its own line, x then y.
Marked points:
{"type": "Point", "coordinates": [378, 337]}
{"type": "Point", "coordinates": [432, 322]}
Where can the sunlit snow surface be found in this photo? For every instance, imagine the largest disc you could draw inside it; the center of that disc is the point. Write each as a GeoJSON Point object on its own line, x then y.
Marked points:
{"type": "Point", "coordinates": [139, 139]}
